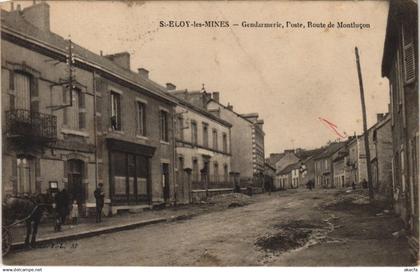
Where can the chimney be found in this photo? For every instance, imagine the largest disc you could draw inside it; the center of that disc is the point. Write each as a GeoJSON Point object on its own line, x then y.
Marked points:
{"type": "Point", "coordinates": [380, 117]}
{"type": "Point", "coordinates": [229, 106]}
{"type": "Point", "coordinates": [121, 59]}
{"type": "Point", "coordinates": [170, 86]}
{"type": "Point", "coordinates": [143, 72]}
{"type": "Point", "coordinates": [38, 15]}
{"type": "Point", "coordinates": [12, 6]}
{"type": "Point", "coordinates": [18, 8]}
{"type": "Point", "coordinates": [216, 96]}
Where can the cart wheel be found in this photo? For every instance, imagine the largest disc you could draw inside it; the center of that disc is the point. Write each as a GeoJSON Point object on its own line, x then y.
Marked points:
{"type": "Point", "coordinates": [6, 241]}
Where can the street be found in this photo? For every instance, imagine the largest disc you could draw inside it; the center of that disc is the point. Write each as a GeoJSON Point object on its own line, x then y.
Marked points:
{"type": "Point", "coordinates": [287, 228]}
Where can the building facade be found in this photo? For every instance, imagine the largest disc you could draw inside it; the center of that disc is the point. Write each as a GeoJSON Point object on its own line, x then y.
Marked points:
{"type": "Point", "coordinates": [93, 119]}
{"type": "Point", "coordinates": [324, 171]}
{"type": "Point", "coordinates": [247, 136]}
{"type": "Point", "coordinates": [400, 66]}
{"type": "Point", "coordinates": [203, 149]}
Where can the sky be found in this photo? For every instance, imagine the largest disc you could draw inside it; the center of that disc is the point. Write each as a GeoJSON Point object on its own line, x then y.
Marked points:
{"type": "Point", "coordinates": [291, 77]}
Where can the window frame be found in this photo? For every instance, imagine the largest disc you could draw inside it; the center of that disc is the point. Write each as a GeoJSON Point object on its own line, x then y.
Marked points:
{"type": "Point", "coordinates": [116, 108]}
{"type": "Point", "coordinates": [141, 118]}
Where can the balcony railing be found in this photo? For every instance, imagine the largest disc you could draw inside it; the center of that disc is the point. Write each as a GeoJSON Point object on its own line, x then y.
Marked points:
{"type": "Point", "coordinates": [27, 123]}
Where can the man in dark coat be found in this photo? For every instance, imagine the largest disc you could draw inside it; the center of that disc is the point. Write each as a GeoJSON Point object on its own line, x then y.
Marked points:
{"type": "Point", "coordinates": [99, 196]}
{"type": "Point", "coordinates": [59, 210]}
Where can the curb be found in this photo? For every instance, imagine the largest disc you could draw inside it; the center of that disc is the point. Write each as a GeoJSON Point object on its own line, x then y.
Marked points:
{"type": "Point", "coordinates": [104, 230]}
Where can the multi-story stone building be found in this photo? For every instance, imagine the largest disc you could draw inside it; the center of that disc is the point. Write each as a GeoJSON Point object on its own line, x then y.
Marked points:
{"type": "Point", "coordinates": [247, 136]}
{"type": "Point", "coordinates": [72, 119]}
{"type": "Point", "coordinates": [380, 144]}
{"type": "Point", "coordinates": [203, 148]}
{"type": "Point", "coordinates": [324, 171]}
{"type": "Point", "coordinates": [400, 66]}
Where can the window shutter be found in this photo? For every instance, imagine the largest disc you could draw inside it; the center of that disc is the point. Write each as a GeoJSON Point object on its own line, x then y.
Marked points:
{"type": "Point", "coordinates": [65, 117]}
{"type": "Point", "coordinates": [82, 119]}
{"type": "Point", "coordinates": [119, 114]}
{"type": "Point", "coordinates": [136, 117]}
{"type": "Point", "coordinates": [409, 61]}
{"type": "Point", "coordinates": [34, 87]}
{"type": "Point", "coordinates": [99, 104]}
{"type": "Point", "coordinates": [14, 174]}
{"type": "Point", "coordinates": [14, 167]}
{"type": "Point", "coordinates": [11, 89]}
{"type": "Point", "coordinates": [11, 79]}
{"type": "Point", "coordinates": [82, 103]}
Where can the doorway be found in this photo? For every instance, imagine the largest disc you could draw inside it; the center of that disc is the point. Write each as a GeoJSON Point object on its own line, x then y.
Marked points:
{"type": "Point", "coordinates": [165, 182]}
{"type": "Point", "coordinates": [75, 181]}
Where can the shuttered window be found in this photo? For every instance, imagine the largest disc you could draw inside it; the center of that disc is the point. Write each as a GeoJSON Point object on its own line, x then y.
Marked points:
{"type": "Point", "coordinates": [25, 175]}
{"type": "Point", "coordinates": [76, 114]}
{"type": "Point", "coordinates": [115, 111]}
{"type": "Point", "coordinates": [22, 85]}
{"type": "Point", "coordinates": [215, 142]}
{"type": "Point", "coordinates": [408, 55]}
{"type": "Point", "coordinates": [164, 126]}
{"type": "Point", "coordinates": [225, 149]}
{"type": "Point", "coordinates": [141, 119]}
{"type": "Point", "coordinates": [193, 132]}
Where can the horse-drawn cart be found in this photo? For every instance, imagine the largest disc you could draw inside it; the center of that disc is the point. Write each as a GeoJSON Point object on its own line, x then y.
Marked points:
{"type": "Point", "coordinates": [17, 210]}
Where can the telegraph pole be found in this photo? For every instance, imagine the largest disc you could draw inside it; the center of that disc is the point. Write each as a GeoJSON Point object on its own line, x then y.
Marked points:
{"type": "Point", "coordinates": [365, 132]}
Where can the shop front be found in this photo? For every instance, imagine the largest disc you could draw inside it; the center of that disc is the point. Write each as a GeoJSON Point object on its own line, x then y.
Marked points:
{"type": "Point", "coordinates": [129, 172]}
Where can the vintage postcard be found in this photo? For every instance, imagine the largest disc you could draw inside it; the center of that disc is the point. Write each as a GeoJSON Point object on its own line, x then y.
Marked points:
{"type": "Point", "coordinates": [209, 133]}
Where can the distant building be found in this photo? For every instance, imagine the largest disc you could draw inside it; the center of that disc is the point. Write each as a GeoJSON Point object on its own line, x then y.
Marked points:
{"type": "Point", "coordinates": [247, 135]}
{"type": "Point", "coordinates": [324, 171]}
{"type": "Point", "coordinates": [400, 66]}
{"type": "Point", "coordinates": [289, 157]}
{"type": "Point", "coordinates": [380, 142]}
{"type": "Point", "coordinates": [203, 149]}
{"type": "Point", "coordinates": [290, 177]}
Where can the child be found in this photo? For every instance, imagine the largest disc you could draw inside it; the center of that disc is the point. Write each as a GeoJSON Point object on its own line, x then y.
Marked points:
{"type": "Point", "coordinates": [75, 212]}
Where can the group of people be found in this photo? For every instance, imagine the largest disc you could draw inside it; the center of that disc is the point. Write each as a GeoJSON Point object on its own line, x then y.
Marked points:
{"type": "Point", "coordinates": [62, 207]}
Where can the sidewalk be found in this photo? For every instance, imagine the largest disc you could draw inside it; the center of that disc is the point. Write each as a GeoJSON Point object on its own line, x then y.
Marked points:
{"type": "Point", "coordinates": [87, 227]}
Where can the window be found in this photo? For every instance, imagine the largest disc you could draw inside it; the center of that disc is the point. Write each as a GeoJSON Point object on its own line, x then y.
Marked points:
{"type": "Point", "coordinates": [180, 128]}
{"type": "Point", "coordinates": [326, 164]}
{"type": "Point", "coordinates": [164, 126]}
{"type": "Point", "coordinates": [193, 132]}
{"type": "Point", "coordinates": [216, 172]}
{"type": "Point", "coordinates": [195, 172]}
{"type": "Point", "coordinates": [226, 173]}
{"type": "Point", "coordinates": [25, 175]}
{"type": "Point", "coordinates": [22, 83]}
{"type": "Point", "coordinates": [115, 111]}
{"type": "Point", "coordinates": [215, 143]}
{"type": "Point", "coordinates": [76, 114]}
{"type": "Point", "coordinates": [409, 61]}
{"type": "Point", "coordinates": [205, 135]}
{"type": "Point", "coordinates": [141, 119]}
{"type": "Point", "coordinates": [225, 149]}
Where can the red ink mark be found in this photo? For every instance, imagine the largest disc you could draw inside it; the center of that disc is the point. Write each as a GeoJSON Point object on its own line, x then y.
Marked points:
{"type": "Point", "coordinates": [332, 126]}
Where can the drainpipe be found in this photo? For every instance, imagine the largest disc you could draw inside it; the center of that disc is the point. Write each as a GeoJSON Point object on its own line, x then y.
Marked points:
{"type": "Point", "coordinates": [94, 128]}
{"type": "Point", "coordinates": [174, 155]}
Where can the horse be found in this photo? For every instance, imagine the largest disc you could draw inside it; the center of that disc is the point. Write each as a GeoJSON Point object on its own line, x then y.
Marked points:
{"type": "Point", "coordinates": [28, 209]}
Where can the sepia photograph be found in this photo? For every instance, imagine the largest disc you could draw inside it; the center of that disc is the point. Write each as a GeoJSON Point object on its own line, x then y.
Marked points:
{"type": "Point", "coordinates": [209, 134]}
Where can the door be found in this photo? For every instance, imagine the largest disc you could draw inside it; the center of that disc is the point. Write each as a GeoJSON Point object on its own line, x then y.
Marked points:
{"type": "Point", "coordinates": [75, 181]}
{"type": "Point", "coordinates": [165, 182]}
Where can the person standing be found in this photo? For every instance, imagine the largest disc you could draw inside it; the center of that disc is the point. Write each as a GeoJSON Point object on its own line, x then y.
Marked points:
{"type": "Point", "coordinates": [99, 196]}
{"type": "Point", "coordinates": [75, 212]}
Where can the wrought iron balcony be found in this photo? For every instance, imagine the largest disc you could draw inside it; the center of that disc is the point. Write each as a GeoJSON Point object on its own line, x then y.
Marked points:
{"type": "Point", "coordinates": [34, 125]}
